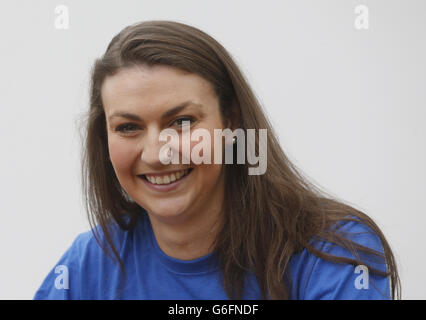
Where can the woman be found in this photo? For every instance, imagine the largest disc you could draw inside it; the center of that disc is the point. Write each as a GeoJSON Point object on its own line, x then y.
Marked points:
{"type": "Point", "coordinates": [209, 230]}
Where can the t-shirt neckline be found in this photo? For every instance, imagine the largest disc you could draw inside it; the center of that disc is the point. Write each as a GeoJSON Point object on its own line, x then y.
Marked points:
{"type": "Point", "coordinates": [201, 265]}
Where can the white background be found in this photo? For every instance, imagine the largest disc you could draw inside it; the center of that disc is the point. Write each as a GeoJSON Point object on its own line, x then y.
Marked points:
{"type": "Point", "coordinates": [349, 107]}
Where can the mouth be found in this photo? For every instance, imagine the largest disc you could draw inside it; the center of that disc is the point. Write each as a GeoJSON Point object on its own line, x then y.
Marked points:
{"type": "Point", "coordinates": [168, 179]}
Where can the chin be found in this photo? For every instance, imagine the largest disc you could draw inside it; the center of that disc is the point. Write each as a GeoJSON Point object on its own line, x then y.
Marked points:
{"type": "Point", "coordinates": [166, 210]}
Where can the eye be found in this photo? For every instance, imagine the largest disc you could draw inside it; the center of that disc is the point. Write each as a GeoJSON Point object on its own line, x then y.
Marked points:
{"type": "Point", "coordinates": [180, 121]}
{"type": "Point", "coordinates": [127, 127]}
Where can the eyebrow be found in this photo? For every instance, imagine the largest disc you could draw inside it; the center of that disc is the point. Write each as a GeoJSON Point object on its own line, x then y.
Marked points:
{"type": "Point", "coordinates": [165, 115]}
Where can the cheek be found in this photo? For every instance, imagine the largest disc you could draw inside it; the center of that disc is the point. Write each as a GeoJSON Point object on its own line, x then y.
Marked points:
{"type": "Point", "coordinates": [208, 179]}
{"type": "Point", "coordinates": [207, 148]}
{"type": "Point", "coordinates": [121, 154]}
{"type": "Point", "coordinates": [209, 174]}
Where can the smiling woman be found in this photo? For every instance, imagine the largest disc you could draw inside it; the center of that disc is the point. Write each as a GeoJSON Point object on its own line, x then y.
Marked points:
{"type": "Point", "coordinates": [156, 95]}
{"type": "Point", "coordinates": [203, 230]}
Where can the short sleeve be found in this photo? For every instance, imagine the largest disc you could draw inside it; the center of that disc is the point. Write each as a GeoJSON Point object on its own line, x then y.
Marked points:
{"type": "Point", "coordinates": [63, 281]}
{"type": "Point", "coordinates": [320, 279]}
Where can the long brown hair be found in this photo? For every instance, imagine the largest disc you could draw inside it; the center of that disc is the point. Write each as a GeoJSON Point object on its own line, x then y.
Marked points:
{"type": "Point", "coordinates": [268, 218]}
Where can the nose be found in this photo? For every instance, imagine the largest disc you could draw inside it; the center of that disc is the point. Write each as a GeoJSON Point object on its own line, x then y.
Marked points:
{"type": "Point", "coordinates": [151, 147]}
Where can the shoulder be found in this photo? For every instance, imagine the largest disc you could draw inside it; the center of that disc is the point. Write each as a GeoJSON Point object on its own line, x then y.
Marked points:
{"type": "Point", "coordinates": [63, 281]}
{"type": "Point", "coordinates": [94, 242]}
{"type": "Point", "coordinates": [84, 265]}
{"type": "Point", "coordinates": [319, 278]}
{"type": "Point", "coordinates": [354, 229]}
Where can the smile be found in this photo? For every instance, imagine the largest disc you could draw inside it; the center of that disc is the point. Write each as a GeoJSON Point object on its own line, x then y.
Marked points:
{"type": "Point", "coordinates": [167, 178]}
{"type": "Point", "coordinates": [165, 181]}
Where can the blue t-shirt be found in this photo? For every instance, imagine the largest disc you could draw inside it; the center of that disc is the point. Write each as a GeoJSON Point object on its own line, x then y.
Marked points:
{"type": "Point", "coordinates": [86, 272]}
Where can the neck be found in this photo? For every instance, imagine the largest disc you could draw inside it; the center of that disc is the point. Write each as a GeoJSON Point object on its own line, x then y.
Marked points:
{"type": "Point", "coordinates": [193, 236]}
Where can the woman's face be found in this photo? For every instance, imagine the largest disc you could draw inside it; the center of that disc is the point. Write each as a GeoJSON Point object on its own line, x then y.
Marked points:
{"type": "Point", "coordinates": [140, 102]}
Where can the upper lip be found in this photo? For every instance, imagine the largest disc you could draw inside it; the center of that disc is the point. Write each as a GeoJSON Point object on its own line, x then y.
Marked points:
{"type": "Point", "coordinates": [160, 173]}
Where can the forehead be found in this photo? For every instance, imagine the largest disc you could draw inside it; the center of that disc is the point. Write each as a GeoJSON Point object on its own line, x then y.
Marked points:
{"type": "Point", "coordinates": [145, 89]}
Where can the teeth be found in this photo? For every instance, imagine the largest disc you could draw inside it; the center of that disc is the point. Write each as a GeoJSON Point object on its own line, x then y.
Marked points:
{"type": "Point", "coordinates": [166, 179]}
